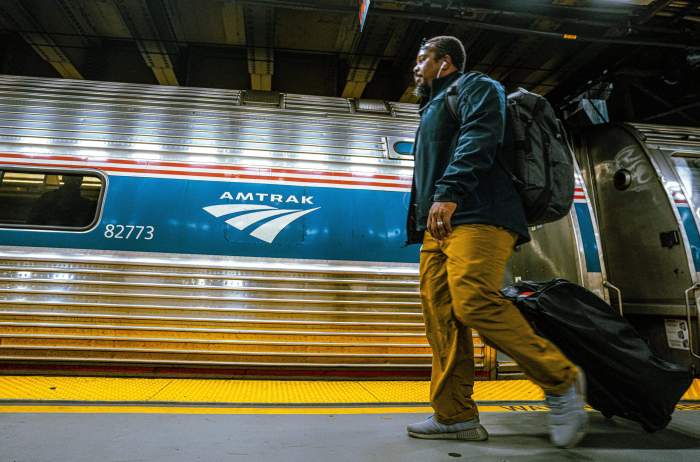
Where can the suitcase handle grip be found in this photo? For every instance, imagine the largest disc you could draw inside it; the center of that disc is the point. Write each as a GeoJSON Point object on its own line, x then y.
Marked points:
{"type": "Point", "coordinates": [609, 285]}
{"type": "Point", "coordinates": [687, 314]}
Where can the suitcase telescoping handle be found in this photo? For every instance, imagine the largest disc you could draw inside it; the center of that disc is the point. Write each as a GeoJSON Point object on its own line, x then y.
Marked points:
{"type": "Point", "coordinates": [687, 314]}
{"type": "Point", "coordinates": [609, 285]}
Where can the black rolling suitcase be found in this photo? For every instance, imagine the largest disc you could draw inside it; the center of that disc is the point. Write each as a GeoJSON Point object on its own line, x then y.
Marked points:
{"type": "Point", "coordinates": [625, 378]}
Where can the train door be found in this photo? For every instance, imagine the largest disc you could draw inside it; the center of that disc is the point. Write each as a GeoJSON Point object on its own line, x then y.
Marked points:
{"type": "Point", "coordinates": [640, 203]}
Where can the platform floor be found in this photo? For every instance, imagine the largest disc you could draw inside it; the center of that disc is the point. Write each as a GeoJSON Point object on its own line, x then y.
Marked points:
{"type": "Point", "coordinates": [110, 420]}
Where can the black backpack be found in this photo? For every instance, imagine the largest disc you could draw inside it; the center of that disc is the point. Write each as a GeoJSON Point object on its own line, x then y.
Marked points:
{"type": "Point", "coordinates": [542, 164]}
{"type": "Point", "coordinates": [624, 376]}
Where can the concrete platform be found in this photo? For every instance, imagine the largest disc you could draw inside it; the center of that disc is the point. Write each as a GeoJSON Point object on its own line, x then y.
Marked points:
{"type": "Point", "coordinates": [94, 419]}
{"type": "Point", "coordinates": [515, 437]}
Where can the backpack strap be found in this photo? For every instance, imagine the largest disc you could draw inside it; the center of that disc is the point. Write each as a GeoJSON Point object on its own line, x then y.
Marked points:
{"type": "Point", "coordinates": [452, 93]}
{"type": "Point", "coordinates": [519, 125]}
{"type": "Point", "coordinates": [451, 105]}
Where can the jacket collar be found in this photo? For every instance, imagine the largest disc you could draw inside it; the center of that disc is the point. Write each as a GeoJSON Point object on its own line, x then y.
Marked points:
{"type": "Point", "coordinates": [439, 84]}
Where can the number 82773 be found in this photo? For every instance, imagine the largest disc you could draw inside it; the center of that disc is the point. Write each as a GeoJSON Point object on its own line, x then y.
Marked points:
{"type": "Point", "coordinates": [129, 232]}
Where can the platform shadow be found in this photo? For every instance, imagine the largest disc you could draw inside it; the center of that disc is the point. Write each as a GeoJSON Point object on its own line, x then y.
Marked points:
{"type": "Point", "coordinates": [664, 440]}
{"type": "Point", "coordinates": [602, 433]}
{"type": "Point", "coordinates": [619, 433]}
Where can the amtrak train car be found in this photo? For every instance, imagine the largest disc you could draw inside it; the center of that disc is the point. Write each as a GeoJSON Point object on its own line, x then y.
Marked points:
{"type": "Point", "coordinates": [168, 230]}
{"type": "Point", "coordinates": [645, 185]}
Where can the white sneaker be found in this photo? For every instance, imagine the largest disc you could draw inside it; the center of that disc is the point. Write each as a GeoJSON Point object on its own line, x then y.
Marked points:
{"type": "Point", "coordinates": [567, 418]}
{"type": "Point", "coordinates": [430, 428]}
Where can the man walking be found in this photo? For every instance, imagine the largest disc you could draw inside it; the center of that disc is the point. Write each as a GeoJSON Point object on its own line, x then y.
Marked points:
{"type": "Point", "coordinates": [468, 216]}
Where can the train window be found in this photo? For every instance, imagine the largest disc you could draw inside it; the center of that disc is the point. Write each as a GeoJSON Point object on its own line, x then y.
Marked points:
{"type": "Point", "coordinates": [372, 106]}
{"type": "Point", "coordinates": [688, 168]}
{"type": "Point", "coordinates": [399, 148]}
{"type": "Point", "coordinates": [36, 199]}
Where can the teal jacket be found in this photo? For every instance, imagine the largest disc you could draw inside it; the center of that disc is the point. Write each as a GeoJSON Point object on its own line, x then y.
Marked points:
{"type": "Point", "coordinates": [455, 161]}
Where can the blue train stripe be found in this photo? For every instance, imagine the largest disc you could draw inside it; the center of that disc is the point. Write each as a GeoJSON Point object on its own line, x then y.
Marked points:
{"type": "Point", "coordinates": [272, 220]}
{"type": "Point", "coordinates": [590, 245]}
{"type": "Point", "coordinates": [691, 230]}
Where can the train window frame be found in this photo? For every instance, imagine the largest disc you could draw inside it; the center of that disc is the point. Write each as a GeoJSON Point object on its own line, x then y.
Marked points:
{"type": "Point", "coordinates": [693, 155]}
{"type": "Point", "coordinates": [687, 187]}
{"type": "Point", "coordinates": [392, 141]}
{"type": "Point", "coordinates": [99, 206]}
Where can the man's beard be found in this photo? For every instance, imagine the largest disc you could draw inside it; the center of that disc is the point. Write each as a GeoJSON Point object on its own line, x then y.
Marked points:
{"type": "Point", "coordinates": [422, 91]}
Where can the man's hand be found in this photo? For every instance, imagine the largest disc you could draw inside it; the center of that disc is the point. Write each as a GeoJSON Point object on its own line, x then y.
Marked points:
{"type": "Point", "coordinates": [439, 217]}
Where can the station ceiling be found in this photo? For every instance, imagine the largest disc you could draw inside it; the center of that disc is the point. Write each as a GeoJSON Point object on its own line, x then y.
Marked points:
{"type": "Point", "coordinates": [642, 55]}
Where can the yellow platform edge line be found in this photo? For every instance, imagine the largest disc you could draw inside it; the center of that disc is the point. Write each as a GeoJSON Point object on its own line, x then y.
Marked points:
{"type": "Point", "coordinates": [204, 410]}
{"type": "Point", "coordinates": [50, 409]}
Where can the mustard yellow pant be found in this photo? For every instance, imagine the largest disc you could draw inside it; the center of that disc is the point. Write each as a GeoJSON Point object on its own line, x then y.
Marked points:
{"type": "Point", "coordinates": [460, 278]}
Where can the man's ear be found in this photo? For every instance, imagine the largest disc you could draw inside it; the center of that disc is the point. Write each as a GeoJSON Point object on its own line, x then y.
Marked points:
{"type": "Point", "coordinates": [448, 60]}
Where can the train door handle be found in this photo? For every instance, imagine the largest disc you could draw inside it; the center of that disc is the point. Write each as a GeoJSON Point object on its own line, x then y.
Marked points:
{"type": "Point", "coordinates": [609, 285]}
{"type": "Point", "coordinates": [687, 314]}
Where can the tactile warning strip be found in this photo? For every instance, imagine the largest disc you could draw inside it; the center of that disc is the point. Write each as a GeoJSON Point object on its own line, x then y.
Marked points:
{"type": "Point", "coordinates": [207, 391]}
{"type": "Point", "coordinates": [251, 392]}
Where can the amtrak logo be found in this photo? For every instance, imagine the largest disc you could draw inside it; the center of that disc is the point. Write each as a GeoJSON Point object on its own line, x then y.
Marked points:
{"type": "Point", "coordinates": [247, 215]}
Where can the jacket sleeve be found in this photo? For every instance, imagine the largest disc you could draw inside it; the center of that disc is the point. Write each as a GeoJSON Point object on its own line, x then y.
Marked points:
{"type": "Point", "coordinates": [482, 111]}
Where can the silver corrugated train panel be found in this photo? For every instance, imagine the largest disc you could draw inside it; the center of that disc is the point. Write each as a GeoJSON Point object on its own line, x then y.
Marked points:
{"type": "Point", "coordinates": [125, 121]}
{"type": "Point", "coordinates": [208, 312]}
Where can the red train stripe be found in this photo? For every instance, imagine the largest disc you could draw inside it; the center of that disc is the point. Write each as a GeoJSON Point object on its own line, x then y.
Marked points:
{"type": "Point", "coordinates": [232, 175]}
{"type": "Point", "coordinates": [217, 167]}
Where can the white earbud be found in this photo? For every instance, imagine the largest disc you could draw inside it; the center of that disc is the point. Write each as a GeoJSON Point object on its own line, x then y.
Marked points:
{"type": "Point", "coordinates": [442, 66]}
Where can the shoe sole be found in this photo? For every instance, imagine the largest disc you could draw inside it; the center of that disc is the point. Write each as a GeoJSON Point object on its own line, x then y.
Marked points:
{"type": "Point", "coordinates": [473, 434]}
{"type": "Point", "coordinates": [579, 435]}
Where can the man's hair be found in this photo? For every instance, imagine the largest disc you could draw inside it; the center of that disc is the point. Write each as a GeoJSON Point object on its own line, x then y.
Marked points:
{"type": "Point", "coordinates": [447, 45]}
